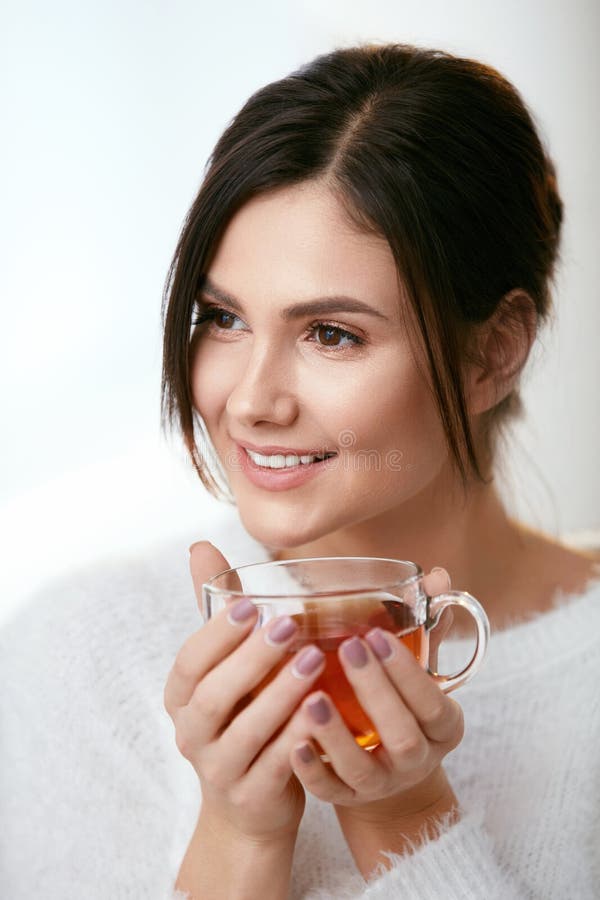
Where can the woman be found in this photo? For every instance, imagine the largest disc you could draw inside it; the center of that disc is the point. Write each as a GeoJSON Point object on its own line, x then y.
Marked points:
{"type": "Point", "coordinates": [410, 187]}
{"type": "Point", "coordinates": [361, 277]}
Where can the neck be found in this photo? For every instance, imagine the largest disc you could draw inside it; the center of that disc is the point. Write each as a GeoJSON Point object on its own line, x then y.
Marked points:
{"type": "Point", "coordinates": [483, 550]}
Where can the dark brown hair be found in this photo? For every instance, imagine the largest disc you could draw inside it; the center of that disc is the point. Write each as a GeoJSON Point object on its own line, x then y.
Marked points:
{"type": "Point", "coordinates": [437, 154]}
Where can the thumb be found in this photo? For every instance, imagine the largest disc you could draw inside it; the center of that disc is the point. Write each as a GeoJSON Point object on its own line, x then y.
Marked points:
{"type": "Point", "coordinates": [437, 582]}
{"type": "Point", "coordinates": [437, 635]}
{"type": "Point", "coordinates": [205, 562]}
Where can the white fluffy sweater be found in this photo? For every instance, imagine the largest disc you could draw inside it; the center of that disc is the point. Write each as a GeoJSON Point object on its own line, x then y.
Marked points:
{"type": "Point", "coordinates": [97, 803]}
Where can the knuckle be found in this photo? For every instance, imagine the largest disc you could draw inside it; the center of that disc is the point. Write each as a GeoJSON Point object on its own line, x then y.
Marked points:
{"type": "Point", "coordinates": [247, 743]}
{"type": "Point", "coordinates": [280, 769]}
{"type": "Point", "coordinates": [459, 727]}
{"type": "Point", "coordinates": [412, 749]}
{"type": "Point", "coordinates": [205, 702]}
{"type": "Point", "coordinates": [276, 758]}
{"type": "Point", "coordinates": [240, 796]}
{"type": "Point", "coordinates": [184, 665]}
{"type": "Point", "coordinates": [184, 743]}
{"type": "Point", "coordinates": [361, 779]}
{"type": "Point", "coordinates": [337, 795]}
{"type": "Point", "coordinates": [436, 714]}
{"type": "Point", "coordinates": [212, 772]}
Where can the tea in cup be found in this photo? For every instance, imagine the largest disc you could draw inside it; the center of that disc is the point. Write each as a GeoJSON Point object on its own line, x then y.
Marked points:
{"type": "Point", "coordinates": [337, 597]}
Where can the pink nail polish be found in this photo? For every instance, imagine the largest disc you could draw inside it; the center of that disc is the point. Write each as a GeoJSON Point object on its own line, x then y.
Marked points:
{"type": "Point", "coordinates": [305, 753]}
{"type": "Point", "coordinates": [355, 653]}
{"type": "Point", "coordinates": [307, 662]}
{"type": "Point", "coordinates": [241, 611]}
{"type": "Point", "coordinates": [379, 644]}
{"type": "Point", "coordinates": [319, 711]}
{"type": "Point", "coordinates": [280, 631]}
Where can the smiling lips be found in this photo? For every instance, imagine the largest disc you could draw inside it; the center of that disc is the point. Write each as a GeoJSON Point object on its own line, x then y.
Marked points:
{"type": "Point", "coordinates": [281, 461]}
{"type": "Point", "coordinates": [278, 472]}
{"type": "Point", "coordinates": [273, 450]}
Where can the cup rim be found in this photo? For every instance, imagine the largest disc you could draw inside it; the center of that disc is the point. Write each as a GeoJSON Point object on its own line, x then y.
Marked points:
{"type": "Point", "coordinates": [418, 573]}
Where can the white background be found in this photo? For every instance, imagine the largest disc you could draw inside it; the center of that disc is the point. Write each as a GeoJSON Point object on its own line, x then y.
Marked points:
{"type": "Point", "coordinates": [109, 113]}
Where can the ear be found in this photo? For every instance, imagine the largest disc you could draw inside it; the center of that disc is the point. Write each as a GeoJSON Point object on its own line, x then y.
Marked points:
{"type": "Point", "coordinates": [502, 345]}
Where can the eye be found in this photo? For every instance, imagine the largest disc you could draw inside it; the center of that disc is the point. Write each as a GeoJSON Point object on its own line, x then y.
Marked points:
{"type": "Point", "coordinates": [215, 315]}
{"type": "Point", "coordinates": [330, 332]}
{"type": "Point", "coordinates": [329, 335]}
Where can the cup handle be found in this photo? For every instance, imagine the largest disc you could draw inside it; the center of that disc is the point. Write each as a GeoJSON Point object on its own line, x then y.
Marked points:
{"type": "Point", "coordinates": [460, 598]}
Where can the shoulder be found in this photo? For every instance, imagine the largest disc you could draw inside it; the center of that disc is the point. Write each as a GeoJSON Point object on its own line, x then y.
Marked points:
{"type": "Point", "coordinates": [109, 616]}
{"type": "Point", "coordinates": [83, 663]}
{"type": "Point", "coordinates": [107, 581]}
{"type": "Point", "coordinates": [568, 570]}
{"type": "Point", "coordinates": [122, 603]}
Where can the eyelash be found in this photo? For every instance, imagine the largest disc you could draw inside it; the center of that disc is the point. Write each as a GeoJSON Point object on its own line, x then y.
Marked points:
{"type": "Point", "coordinates": [208, 314]}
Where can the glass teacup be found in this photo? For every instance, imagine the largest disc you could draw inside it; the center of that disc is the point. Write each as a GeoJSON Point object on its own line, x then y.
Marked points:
{"type": "Point", "coordinates": [332, 599]}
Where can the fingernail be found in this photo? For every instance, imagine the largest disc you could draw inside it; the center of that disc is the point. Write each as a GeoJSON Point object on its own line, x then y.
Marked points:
{"type": "Point", "coordinates": [307, 662]}
{"type": "Point", "coordinates": [241, 611]}
{"type": "Point", "coordinates": [319, 711]}
{"type": "Point", "coordinates": [355, 653]}
{"type": "Point", "coordinates": [305, 753]}
{"type": "Point", "coordinates": [440, 569]}
{"type": "Point", "coordinates": [379, 644]}
{"type": "Point", "coordinates": [280, 631]}
{"type": "Point", "coordinates": [195, 544]}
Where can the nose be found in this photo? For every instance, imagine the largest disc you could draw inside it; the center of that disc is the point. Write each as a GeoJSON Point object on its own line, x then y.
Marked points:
{"type": "Point", "coordinates": [265, 391]}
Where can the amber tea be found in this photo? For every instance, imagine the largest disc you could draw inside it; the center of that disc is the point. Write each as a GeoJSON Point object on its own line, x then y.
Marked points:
{"type": "Point", "coordinates": [336, 597]}
{"type": "Point", "coordinates": [329, 626]}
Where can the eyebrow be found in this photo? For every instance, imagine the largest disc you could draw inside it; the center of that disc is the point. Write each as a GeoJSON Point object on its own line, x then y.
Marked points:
{"type": "Point", "coordinates": [318, 306]}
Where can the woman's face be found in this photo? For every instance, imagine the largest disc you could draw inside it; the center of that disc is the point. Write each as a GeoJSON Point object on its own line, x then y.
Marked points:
{"type": "Point", "coordinates": [262, 379]}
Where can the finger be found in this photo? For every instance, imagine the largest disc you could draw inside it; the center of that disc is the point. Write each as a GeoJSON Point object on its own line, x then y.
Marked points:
{"type": "Point", "coordinates": [437, 635]}
{"type": "Point", "coordinates": [383, 702]}
{"type": "Point", "coordinates": [436, 582]}
{"type": "Point", "coordinates": [439, 717]}
{"type": "Point", "coordinates": [254, 661]}
{"type": "Point", "coordinates": [205, 562]}
{"type": "Point", "coordinates": [350, 763]}
{"type": "Point", "coordinates": [256, 724]}
{"type": "Point", "coordinates": [205, 648]}
{"type": "Point", "coordinates": [272, 769]}
{"type": "Point", "coordinates": [317, 776]}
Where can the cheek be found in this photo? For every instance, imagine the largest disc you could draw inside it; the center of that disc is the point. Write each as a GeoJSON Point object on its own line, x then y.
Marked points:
{"type": "Point", "coordinates": [400, 446]}
{"type": "Point", "coordinates": [210, 382]}
{"type": "Point", "coordinates": [393, 410]}
{"type": "Point", "coordinates": [383, 405]}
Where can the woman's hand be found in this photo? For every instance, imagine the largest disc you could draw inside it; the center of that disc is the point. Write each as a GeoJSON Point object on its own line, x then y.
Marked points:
{"type": "Point", "coordinates": [418, 725]}
{"type": "Point", "coordinates": [248, 786]}
{"type": "Point", "coordinates": [384, 799]}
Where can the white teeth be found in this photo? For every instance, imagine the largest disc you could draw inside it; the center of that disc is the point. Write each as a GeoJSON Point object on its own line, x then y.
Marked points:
{"type": "Point", "coordinates": [279, 461]}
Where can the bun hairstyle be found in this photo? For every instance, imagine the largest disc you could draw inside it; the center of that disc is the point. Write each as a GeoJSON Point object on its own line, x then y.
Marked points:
{"type": "Point", "coordinates": [436, 153]}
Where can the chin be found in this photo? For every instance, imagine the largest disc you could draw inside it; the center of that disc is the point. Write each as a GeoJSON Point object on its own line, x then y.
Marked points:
{"type": "Point", "coordinates": [278, 532]}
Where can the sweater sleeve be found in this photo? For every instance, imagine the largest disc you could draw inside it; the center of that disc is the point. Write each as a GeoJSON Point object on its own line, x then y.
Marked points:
{"type": "Point", "coordinates": [456, 861]}
{"type": "Point", "coordinates": [87, 784]}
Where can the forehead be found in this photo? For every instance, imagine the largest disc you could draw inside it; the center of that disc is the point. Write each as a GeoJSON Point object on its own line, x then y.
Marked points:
{"type": "Point", "coordinates": [297, 242]}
